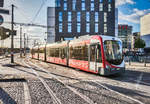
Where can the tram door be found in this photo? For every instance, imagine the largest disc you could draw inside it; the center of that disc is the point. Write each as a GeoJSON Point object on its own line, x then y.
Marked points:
{"type": "Point", "coordinates": [93, 57]}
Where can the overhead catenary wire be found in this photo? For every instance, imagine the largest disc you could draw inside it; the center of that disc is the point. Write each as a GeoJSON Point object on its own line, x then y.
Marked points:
{"type": "Point", "coordinates": [44, 1]}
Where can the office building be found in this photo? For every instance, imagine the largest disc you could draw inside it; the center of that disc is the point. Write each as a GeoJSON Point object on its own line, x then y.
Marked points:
{"type": "Point", "coordinates": [74, 18]}
{"type": "Point", "coordinates": [125, 34]}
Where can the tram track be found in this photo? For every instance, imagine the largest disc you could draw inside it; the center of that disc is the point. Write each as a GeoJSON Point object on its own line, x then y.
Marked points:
{"type": "Point", "coordinates": [54, 97]}
{"type": "Point", "coordinates": [86, 99]}
{"type": "Point", "coordinates": [99, 83]}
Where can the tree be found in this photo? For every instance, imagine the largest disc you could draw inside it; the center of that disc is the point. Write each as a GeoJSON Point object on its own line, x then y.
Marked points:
{"type": "Point", "coordinates": [139, 43]}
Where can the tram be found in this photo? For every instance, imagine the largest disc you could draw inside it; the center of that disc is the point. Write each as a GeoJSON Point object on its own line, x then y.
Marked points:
{"type": "Point", "coordinates": [96, 54]}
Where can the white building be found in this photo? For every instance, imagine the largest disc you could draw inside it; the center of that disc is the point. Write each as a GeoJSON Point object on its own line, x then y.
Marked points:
{"type": "Point", "coordinates": [145, 29]}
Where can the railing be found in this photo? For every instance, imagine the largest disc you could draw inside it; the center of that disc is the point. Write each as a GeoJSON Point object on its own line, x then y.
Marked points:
{"type": "Point", "coordinates": [137, 57]}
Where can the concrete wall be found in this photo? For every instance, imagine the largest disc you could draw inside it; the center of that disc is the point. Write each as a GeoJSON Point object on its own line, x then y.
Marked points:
{"type": "Point", "coordinates": [51, 22]}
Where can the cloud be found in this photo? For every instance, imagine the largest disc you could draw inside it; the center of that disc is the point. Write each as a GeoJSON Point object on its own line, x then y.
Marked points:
{"type": "Point", "coordinates": [122, 2]}
{"type": "Point", "coordinates": [134, 17]}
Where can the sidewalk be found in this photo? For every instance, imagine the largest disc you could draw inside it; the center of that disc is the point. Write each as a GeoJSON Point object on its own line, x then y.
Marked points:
{"type": "Point", "coordinates": [14, 71]}
{"type": "Point", "coordinates": [138, 65]}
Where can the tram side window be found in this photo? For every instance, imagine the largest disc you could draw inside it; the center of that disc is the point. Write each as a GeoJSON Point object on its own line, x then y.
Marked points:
{"type": "Point", "coordinates": [51, 52]}
{"type": "Point", "coordinates": [95, 53]}
{"type": "Point", "coordinates": [56, 52]}
{"type": "Point", "coordinates": [99, 56]}
{"type": "Point", "coordinates": [79, 53]}
{"type": "Point", "coordinates": [62, 53]}
{"type": "Point", "coordinates": [41, 50]}
{"type": "Point", "coordinates": [35, 51]}
{"type": "Point", "coordinates": [92, 53]}
{"type": "Point", "coordinates": [32, 52]}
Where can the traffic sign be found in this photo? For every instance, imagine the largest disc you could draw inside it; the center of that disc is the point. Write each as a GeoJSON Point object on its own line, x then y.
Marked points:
{"type": "Point", "coordinates": [1, 20]}
{"type": "Point", "coordinates": [4, 11]}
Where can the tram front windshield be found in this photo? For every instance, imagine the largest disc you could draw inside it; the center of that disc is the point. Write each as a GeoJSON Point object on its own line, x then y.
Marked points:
{"type": "Point", "coordinates": [113, 51]}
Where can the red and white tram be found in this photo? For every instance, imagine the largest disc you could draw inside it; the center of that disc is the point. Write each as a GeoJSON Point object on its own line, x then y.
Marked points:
{"type": "Point", "coordinates": [97, 54]}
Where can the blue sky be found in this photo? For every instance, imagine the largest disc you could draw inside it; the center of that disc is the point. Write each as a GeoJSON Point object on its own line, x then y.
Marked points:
{"type": "Point", "coordinates": [130, 12]}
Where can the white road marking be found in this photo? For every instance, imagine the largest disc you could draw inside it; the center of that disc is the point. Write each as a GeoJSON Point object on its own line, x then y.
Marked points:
{"type": "Point", "coordinates": [56, 100]}
{"type": "Point", "coordinates": [27, 96]}
{"type": "Point", "coordinates": [139, 80]}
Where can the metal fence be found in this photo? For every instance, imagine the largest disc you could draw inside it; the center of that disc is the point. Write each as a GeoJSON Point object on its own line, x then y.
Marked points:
{"type": "Point", "coordinates": [137, 57]}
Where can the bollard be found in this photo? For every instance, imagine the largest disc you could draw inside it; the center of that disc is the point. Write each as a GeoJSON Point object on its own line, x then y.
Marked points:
{"type": "Point", "coordinates": [145, 61]}
{"type": "Point", "coordinates": [129, 60]}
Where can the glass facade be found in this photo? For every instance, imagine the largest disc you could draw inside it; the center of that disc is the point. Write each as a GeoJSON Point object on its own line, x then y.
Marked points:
{"type": "Point", "coordinates": [82, 17]}
{"type": "Point", "coordinates": [69, 16]}
{"type": "Point", "coordinates": [87, 27]}
{"type": "Point", "coordinates": [96, 27]}
{"type": "Point", "coordinates": [69, 27]}
{"type": "Point", "coordinates": [96, 16]}
{"type": "Point", "coordinates": [109, 0]}
{"type": "Point", "coordinates": [92, 6]}
{"type": "Point", "coordinates": [74, 4]}
{"type": "Point", "coordinates": [83, 5]}
{"type": "Point", "coordinates": [60, 17]}
{"type": "Point", "coordinates": [60, 27]}
{"type": "Point", "coordinates": [78, 27]}
{"type": "Point", "coordinates": [65, 6]}
{"type": "Point", "coordinates": [87, 16]}
{"type": "Point", "coordinates": [101, 7]}
{"type": "Point", "coordinates": [57, 3]}
{"type": "Point", "coordinates": [109, 7]}
{"type": "Point", "coordinates": [105, 17]}
{"type": "Point", "coordinates": [78, 16]}
{"type": "Point", "coordinates": [100, 1]}
{"type": "Point", "coordinates": [105, 28]}
{"type": "Point", "coordinates": [146, 38]}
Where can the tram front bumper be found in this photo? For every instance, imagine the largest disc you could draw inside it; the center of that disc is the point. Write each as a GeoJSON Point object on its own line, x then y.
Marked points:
{"type": "Point", "coordinates": [112, 71]}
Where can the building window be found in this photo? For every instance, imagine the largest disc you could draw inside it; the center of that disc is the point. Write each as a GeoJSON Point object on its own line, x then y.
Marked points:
{"type": "Point", "coordinates": [74, 5]}
{"type": "Point", "coordinates": [60, 16]}
{"type": "Point", "coordinates": [60, 27]}
{"type": "Point", "coordinates": [57, 3]}
{"type": "Point", "coordinates": [96, 27]}
{"type": "Point", "coordinates": [109, 7]}
{"type": "Point", "coordinates": [65, 6]}
{"type": "Point", "coordinates": [69, 16]}
{"type": "Point", "coordinates": [105, 17]}
{"type": "Point", "coordinates": [78, 27]}
{"type": "Point", "coordinates": [78, 16]}
{"type": "Point", "coordinates": [92, 6]}
{"type": "Point", "coordinates": [69, 27]}
{"type": "Point", "coordinates": [100, 7]}
{"type": "Point", "coordinates": [105, 28]}
{"type": "Point", "coordinates": [96, 16]}
{"type": "Point", "coordinates": [109, 0]}
{"type": "Point", "coordinates": [87, 27]}
{"type": "Point", "coordinates": [83, 5]}
{"type": "Point", "coordinates": [100, 1]}
{"type": "Point", "coordinates": [87, 16]}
